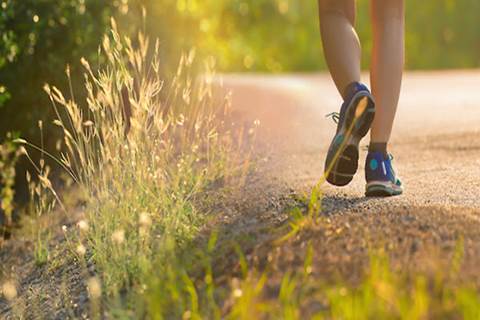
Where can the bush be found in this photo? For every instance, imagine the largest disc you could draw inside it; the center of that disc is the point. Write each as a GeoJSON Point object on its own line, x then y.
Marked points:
{"type": "Point", "coordinates": [39, 38]}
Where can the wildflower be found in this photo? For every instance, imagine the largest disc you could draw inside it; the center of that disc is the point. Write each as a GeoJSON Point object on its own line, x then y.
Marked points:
{"type": "Point", "coordinates": [64, 228]}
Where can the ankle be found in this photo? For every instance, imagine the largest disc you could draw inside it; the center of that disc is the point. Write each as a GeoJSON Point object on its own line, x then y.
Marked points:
{"type": "Point", "coordinates": [380, 147]}
{"type": "Point", "coordinates": [352, 88]}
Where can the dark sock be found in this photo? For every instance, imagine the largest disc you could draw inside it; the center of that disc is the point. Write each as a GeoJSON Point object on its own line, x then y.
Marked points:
{"type": "Point", "coordinates": [378, 147]}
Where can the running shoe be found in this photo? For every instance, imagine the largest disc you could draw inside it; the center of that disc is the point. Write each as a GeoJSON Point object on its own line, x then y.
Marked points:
{"type": "Point", "coordinates": [354, 121]}
{"type": "Point", "coordinates": [381, 178]}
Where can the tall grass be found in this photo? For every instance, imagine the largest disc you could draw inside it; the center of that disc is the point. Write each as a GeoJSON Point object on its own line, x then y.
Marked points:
{"type": "Point", "coordinates": [142, 149]}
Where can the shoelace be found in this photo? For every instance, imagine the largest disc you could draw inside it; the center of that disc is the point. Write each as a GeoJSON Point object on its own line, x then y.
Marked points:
{"type": "Point", "coordinates": [335, 116]}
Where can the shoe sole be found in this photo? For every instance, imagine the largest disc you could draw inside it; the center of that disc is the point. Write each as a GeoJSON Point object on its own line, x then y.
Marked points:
{"type": "Point", "coordinates": [382, 190]}
{"type": "Point", "coordinates": [342, 159]}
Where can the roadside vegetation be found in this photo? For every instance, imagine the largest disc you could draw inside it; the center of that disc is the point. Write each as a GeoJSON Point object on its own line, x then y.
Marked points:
{"type": "Point", "coordinates": [143, 151]}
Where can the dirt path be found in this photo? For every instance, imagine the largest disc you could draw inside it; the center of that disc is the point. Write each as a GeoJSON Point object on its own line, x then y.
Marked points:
{"type": "Point", "coordinates": [436, 144]}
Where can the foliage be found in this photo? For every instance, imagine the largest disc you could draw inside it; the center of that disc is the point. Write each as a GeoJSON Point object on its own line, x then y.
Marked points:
{"type": "Point", "coordinates": [283, 35]}
{"type": "Point", "coordinates": [254, 35]}
{"type": "Point", "coordinates": [9, 154]}
{"type": "Point", "coordinates": [39, 38]}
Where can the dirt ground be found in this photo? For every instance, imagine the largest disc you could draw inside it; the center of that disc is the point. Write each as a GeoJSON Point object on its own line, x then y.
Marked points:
{"type": "Point", "coordinates": [436, 144]}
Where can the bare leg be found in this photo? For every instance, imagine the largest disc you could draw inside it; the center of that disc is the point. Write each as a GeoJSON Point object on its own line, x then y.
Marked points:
{"type": "Point", "coordinates": [388, 18]}
{"type": "Point", "coordinates": [340, 41]}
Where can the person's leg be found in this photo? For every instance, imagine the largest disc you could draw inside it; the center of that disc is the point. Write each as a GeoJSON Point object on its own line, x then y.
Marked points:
{"type": "Point", "coordinates": [386, 78]}
{"type": "Point", "coordinates": [340, 41]}
{"type": "Point", "coordinates": [343, 55]}
{"type": "Point", "coordinates": [388, 19]}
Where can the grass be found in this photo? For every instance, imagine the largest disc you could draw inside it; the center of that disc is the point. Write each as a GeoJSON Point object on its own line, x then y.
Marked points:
{"type": "Point", "coordinates": [144, 150]}
{"type": "Point", "coordinates": [41, 252]}
{"type": "Point", "coordinates": [382, 294]}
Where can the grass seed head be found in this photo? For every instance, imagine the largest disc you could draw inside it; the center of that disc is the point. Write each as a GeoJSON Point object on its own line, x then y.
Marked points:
{"type": "Point", "coordinates": [81, 250]}
{"type": "Point", "coordinates": [94, 288]}
{"type": "Point", "coordinates": [187, 315]}
{"type": "Point", "coordinates": [9, 290]}
{"type": "Point", "coordinates": [144, 220]}
{"type": "Point", "coordinates": [237, 293]}
{"type": "Point", "coordinates": [83, 226]}
{"type": "Point", "coordinates": [88, 123]}
{"type": "Point", "coordinates": [118, 236]}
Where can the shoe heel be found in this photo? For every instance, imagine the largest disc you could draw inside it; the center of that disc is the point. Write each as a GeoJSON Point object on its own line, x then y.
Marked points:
{"type": "Point", "coordinates": [364, 115]}
{"type": "Point", "coordinates": [344, 168]}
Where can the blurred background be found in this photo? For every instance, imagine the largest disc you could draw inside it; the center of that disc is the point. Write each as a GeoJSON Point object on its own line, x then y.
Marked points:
{"type": "Point", "coordinates": [38, 38]}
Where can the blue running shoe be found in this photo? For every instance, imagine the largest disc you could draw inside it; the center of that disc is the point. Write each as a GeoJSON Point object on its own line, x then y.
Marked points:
{"type": "Point", "coordinates": [354, 121]}
{"type": "Point", "coordinates": [381, 178]}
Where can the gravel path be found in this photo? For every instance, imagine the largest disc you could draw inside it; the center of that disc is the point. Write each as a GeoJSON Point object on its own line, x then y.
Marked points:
{"type": "Point", "coordinates": [436, 143]}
